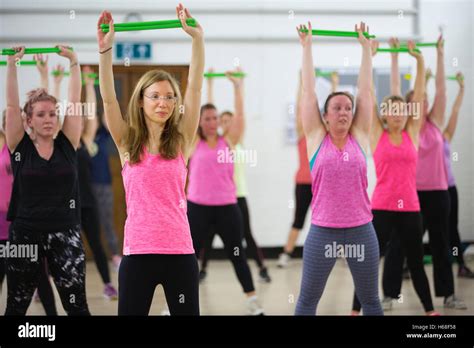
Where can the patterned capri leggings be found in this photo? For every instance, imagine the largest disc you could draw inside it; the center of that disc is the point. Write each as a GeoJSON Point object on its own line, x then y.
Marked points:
{"type": "Point", "coordinates": [105, 202]}
{"type": "Point", "coordinates": [323, 245]}
{"type": "Point", "coordinates": [64, 253]}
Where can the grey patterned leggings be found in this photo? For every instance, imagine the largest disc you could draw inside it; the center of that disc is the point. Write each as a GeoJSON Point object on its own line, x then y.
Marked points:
{"type": "Point", "coordinates": [64, 253]}
{"type": "Point", "coordinates": [323, 245]}
{"type": "Point", "coordinates": [105, 200]}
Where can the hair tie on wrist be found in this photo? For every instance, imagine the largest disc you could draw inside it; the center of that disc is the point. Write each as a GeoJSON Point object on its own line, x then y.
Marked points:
{"type": "Point", "coordinates": [108, 49]}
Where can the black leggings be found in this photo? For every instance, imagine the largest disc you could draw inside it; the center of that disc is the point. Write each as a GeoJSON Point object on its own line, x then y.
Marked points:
{"type": "Point", "coordinates": [405, 227]}
{"type": "Point", "coordinates": [455, 240]}
{"type": "Point", "coordinates": [435, 207]}
{"type": "Point", "coordinates": [45, 291]}
{"type": "Point", "coordinates": [91, 226]}
{"type": "Point", "coordinates": [228, 225]}
{"type": "Point", "coordinates": [140, 274]}
{"type": "Point", "coordinates": [303, 195]}
{"type": "Point", "coordinates": [3, 266]}
{"type": "Point", "coordinates": [252, 247]}
{"type": "Point", "coordinates": [64, 253]}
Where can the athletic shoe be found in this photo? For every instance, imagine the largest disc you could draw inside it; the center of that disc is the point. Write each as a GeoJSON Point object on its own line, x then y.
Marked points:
{"type": "Point", "coordinates": [110, 292]}
{"type": "Point", "coordinates": [283, 260]}
{"type": "Point", "coordinates": [387, 304]}
{"type": "Point", "coordinates": [202, 275]}
{"type": "Point", "coordinates": [264, 277]}
{"type": "Point", "coordinates": [465, 272]}
{"type": "Point", "coordinates": [453, 302]}
{"type": "Point", "coordinates": [434, 314]}
{"type": "Point", "coordinates": [116, 259]}
{"type": "Point", "coordinates": [254, 307]}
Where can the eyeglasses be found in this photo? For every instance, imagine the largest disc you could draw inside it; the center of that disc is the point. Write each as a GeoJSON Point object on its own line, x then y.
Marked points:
{"type": "Point", "coordinates": [156, 98]}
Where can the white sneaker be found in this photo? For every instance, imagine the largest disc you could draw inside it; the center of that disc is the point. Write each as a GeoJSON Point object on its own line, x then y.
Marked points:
{"type": "Point", "coordinates": [387, 304]}
{"type": "Point", "coordinates": [254, 307]}
{"type": "Point", "coordinates": [453, 302]}
{"type": "Point", "coordinates": [283, 260]}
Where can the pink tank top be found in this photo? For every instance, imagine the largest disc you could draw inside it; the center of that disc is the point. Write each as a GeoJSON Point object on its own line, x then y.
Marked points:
{"type": "Point", "coordinates": [395, 167]}
{"type": "Point", "coordinates": [211, 175]}
{"type": "Point", "coordinates": [156, 222]}
{"type": "Point", "coordinates": [6, 183]}
{"type": "Point", "coordinates": [431, 170]}
{"type": "Point", "coordinates": [303, 175]}
{"type": "Point", "coordinates": [339, 188]}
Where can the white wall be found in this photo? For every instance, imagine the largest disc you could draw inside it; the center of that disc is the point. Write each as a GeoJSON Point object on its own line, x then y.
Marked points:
{"type": "Point", "coordinates": [262, 35]}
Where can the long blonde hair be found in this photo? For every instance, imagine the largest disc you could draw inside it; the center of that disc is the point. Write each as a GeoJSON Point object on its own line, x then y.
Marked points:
{"type": "Point", "coordinates": [137, 131]}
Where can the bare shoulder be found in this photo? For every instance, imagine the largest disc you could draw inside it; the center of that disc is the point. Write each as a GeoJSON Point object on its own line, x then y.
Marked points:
{"type": "Point", "coordinates": [188, 147]}
{"type": "Point", "coordinates": [362, 138]}
{"type": "Point", "coordinates": [314, 140]}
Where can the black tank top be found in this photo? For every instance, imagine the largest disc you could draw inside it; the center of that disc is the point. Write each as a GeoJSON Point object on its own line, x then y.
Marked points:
{"type": "Point", "coordinates": [45, 195]}
{"type": "Point", "coordinates": [84, 162]}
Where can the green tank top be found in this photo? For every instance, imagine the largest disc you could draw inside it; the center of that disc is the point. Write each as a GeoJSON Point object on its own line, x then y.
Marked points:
{"type": "Point", "coordinates": [239, 173]}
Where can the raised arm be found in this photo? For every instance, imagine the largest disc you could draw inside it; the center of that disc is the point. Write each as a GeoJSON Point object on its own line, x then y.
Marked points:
{"type": "Point", "coordinates": [112, 113]}
{"type": "Point", "coordinates": [395, 85]}
{"type": "Point", "coordinates": [192, 99]}
{"type": "Point", "coordinates": [439, 105]}
{"type": "Point", "coordinates": [57, 79]}
{"type": "Point", "coordinates": [313, 126]}
{"type": "Point", "coordinates": [415, 120]}
{"type": "Point", "coordinates": [377, 125]}
{"type": "Point", "coordinates": [334, 81]}
{"type": "Point", "coordinates": [453, 119]}
{"type": "Point", "coordinates": [42, 66]}
{"type": "Point", "coordinates": [14, 125]}
{"type": "Point", "coordinates": [237, 125]}
{"type": "Point", "coordinates": [363, 114]}
{"type": "Point", "coordinates": [299, 123]}
{"type": "Point", "coordinates": [91, 124]}
{"type": "Point", "coordinates": [73, 118]}
{"type": "Point", "coordinates": [428, 76]}
{"type": "Point", "coordinates": [210, 88]}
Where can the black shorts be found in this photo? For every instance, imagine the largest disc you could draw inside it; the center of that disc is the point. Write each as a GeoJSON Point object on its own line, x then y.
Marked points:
{"type": "Point", "coordinates": [303, 195]}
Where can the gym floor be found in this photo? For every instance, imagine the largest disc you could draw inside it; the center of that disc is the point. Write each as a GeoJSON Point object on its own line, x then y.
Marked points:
{"type": "Point", "coordinates": [220, 292]}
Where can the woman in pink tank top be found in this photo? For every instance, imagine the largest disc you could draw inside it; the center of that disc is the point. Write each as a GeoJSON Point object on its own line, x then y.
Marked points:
{"type": "Point", "coordinates": [433, 195]}
{"type": "Point", "coordinates": [395, 205]}
{"type": "Point", "coordinates": [252, 250]}
{"type": "Point", "coordinates": [154, 142]}
{"type": "Point", "coordinates": [341, 217]}
{"type": "Point", "coordinates": [212, 198]}
{"type": "Point", "coordinates": [6, 182]}
{"type": "Point", "coordinates": [303, 194]}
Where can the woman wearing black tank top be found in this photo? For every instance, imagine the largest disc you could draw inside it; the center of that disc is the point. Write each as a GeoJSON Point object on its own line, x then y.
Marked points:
{"type": "Point", "coordinates": [89, 209]}
{"type": "Point", "coordinates": [45, 206]}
